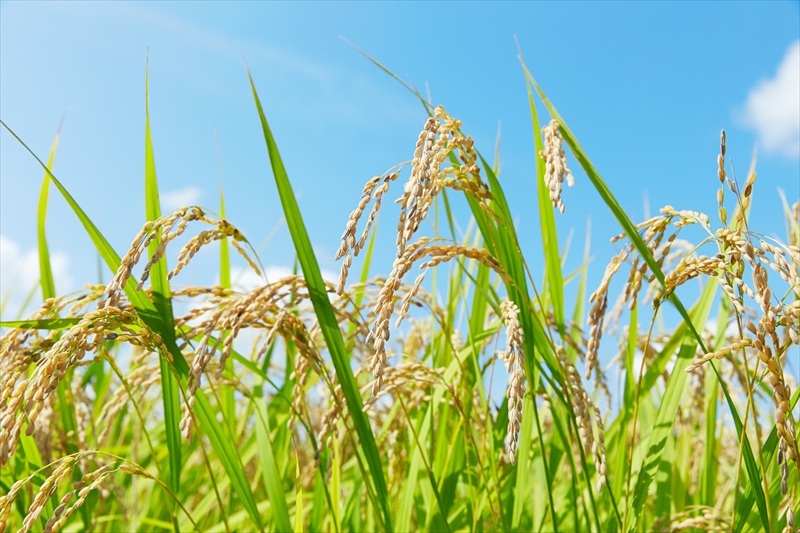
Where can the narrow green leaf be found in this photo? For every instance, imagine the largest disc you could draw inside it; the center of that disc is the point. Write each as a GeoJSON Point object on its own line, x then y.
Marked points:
{"type": "Point", "coordinates": [224, 250]}
{"type": "Point", "coordinates": [601, 187]}
{"type": "Point", "coordinates": [413, 91]}
{"type": "Point", "coordinates": [317, 503]}
{"type": "Point", "coordinates": [63, 392]}
{"type": "Point", "coordinates": [325, 315]}
{"type": "Point", "coordinates": [298, 502]}
{"type": "Point", "coordinates": [664, 482]}
{"type": "Point", "coordinates": [547, 221]}
{"type": "Point", "coordinates": [626, 409]}
{"type": "Point", "coordinates": [667, 410]}
{"type": "Point", "coordinates": [49, 324]}
{"type": "Point", "coordinates": [137, 298]}
{"type": "Point", "coordinates": [45, 270]}
{"type": "Point", "coordinates": [410, 486]}
{"type": "Point", "coordinates": [227, 455]}
{"type": "Point", "coordinates": [227, 400]}
{"type": "Point", "coordinates": [751, 467]}
{"type": "Point", "coordinates": [709, 463]}
{"type": "Point", "coordinates": [613, 205]}
{"type": "Point", "coordinates": [163, 303]}
{"type": "Point", "coordinates": [269, 467]}
{"type": "Point", "coordinates": [221, 443]}
{"type": "Point", "coordinates": [745, 505]}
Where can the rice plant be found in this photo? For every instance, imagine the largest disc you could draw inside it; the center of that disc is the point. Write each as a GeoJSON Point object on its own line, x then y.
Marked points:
{"type": "Point", "coordinates": [367, 405]}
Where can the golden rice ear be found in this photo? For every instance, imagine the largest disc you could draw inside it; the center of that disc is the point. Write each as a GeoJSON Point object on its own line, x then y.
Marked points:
{"type": "Point", "coordinates": [515, 363]}
{"type": "Point", "coordinates": [170, 227]}
{"type": "Point", "coordinates": [556, 169]}
{"type": "Point", "coordinates": [585, 412]}
{"type": "Point", "coordinates": [599, 300]}
{"type": "Point", "coordinates": [349, 245]}
{"type": "Point", "coordinates": [599, 450]}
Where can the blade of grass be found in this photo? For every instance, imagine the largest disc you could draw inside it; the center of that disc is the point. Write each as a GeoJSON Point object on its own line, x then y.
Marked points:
{"type": "Point", "coordinates": [49, 324]}
{"type": "Point", "coordinates": [547, 221]}
{"type": "Point", "coordinates": [626, 411]}
{"type": "Point", "coordinates": [224, 251]}
{"type": "Point", "coordinates": [269, 467]}
{"type": "Point", "coordinates": [745, 504]}
{"type": "Point", "coordinates": [751, 467]}
{"type": "Point", "coordinates": [223, 446]}
{"type": "Point", "coordinates": [667, 410]}
{"type": "Point", "coordinates": [535, 338]}
{"type": "Point", "coordinates": [47, 284]}
{"type": "Point", "coordinates": [601, 187]}
{"type": "Point", "coordinates": [431, 476]}
{"type": "Point", "coordinates": [709, 465]}
{"type": "Point", "coordinates": [45, 270]}
{"type": "Point", "coordinates": [413, 91]}
{"type": "Point", "coordinates": [163, 303]}
{"type": "Point", "coordinates": [611, 202]}
{"type": "Point", "coordinates": [404, 514]}
{"type": "Point", "coordinates": [317, 503]}
{"type": "Point", "coordinates": [664, 484]}
{"type": "Point", "coordinates": [325, 315]}
{"type": "Point", "coordinates": [227, 399]}
{"type": "Point", "coordinates": [298, 502]}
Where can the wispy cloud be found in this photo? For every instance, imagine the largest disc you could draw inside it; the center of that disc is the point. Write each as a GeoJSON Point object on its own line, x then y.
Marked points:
{"type": "Point", "coordinates": [222, 44]}
{"type": "Point", "coordinates": [339, 93]}
{"type": "Point", "coordinates": [19, 275]}
{"type": "Point", "coordinates": [773, 106]}
{"type": "Point", "coordinates": [180, 197]}
{"type": "Point", "coordinates": [245, 279]}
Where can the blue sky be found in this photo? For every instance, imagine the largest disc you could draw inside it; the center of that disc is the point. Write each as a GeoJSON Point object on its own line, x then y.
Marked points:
{"type": "Point", "coordinates": [646, 87]}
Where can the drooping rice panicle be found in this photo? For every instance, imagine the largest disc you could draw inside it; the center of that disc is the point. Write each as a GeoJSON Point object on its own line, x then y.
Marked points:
{"type": "Point", "coordinates": [556, 169]}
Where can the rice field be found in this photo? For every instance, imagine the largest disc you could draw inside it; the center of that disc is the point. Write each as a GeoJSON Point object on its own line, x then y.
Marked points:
{"type": "Point", "coordinates": [146, 404]}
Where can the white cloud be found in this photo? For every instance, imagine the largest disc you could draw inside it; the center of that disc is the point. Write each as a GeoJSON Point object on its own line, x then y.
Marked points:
{"type": "Point", "coordinates": [19, 275]}
{"type": "Point", "coordinates": [180, 198]}
{"type": "Point", "coordinates": [773, 106]}
{"type": "Point", "coordinates": [245, 279]}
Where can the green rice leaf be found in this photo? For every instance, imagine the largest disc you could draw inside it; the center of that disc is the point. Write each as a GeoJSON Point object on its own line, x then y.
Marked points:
{"type": "Point", "coordinates": [298, 504]}
{"type": "Point", "coordinates": [224, 246]}
{"type": "Point", "coordinates": [613, 205]}
{"type": "Point", "coordinates": [163, 303]}
{"type": "Point", "coordinates": [225, 451]}
{"type": "Point", "coordinates": [45, 270]}
{"type": "Point", "coordinates": [409, 488]}
{"type": "Point", "coordinates": [751, 467]}
{"type": "Point", "coordinates": [48, 324]}
{"type": "Point", "coordinates": [318, 503]}
{"type": "Point", "coordinates": [325, 315]}
{"type": "Point", "coordinates": [226, 394]}
{"type": "Point", "coordinates": [633, 235]}
{"type": "Point", "coordinates": [137, 298]}
{"type": "Point", "coordinates": [547, 221]}
{"type": "Point", "coordinates": [269, 467]}
{"type": "Point", "coordinates": [667, 410]}
{"type": "Point", "coordinates": [223, 446]}
{"type": "Point", "coordinates": [709, 465]}
{"type": "Point", "coordinates": [626, 409]}
{"type": "Point", "coordinates": [745, 504]}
